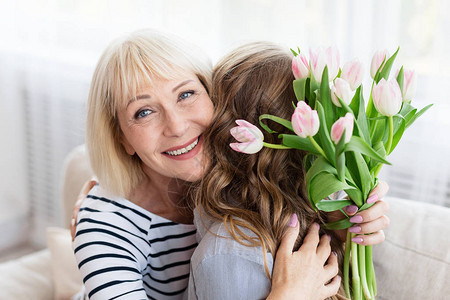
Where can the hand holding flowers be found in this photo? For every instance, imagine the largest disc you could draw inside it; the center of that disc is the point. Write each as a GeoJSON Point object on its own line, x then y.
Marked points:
{"type": "Point", "coordinates": [347, 142]}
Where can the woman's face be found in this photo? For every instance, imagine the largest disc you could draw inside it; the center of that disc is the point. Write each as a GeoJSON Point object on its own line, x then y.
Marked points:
{"type": "Point", "coordinates": [163, 125]}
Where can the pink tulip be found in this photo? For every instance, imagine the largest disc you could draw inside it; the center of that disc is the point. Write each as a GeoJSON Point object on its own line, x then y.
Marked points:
{"type": "Point", "coordinates": [249, 136]}
{"type": "Point", "coordinates": [343, 123]}
{"type": "Point", "coordinates": [305, 121]}
{"type": "Point", "coordinates": [353, 73]}
{"type": "Point", "coordinates": [409, 84]}
{"type": "Point", "coordinates": [342, 90]}
{"type": "Point", "coordinates": [321, 57]}
{"type": "Point", "coordinates": [300, 66]}
{"type": "Point", "coordinates": [377, 60]}
{"type": "Point", "coordinates": [387, 97]}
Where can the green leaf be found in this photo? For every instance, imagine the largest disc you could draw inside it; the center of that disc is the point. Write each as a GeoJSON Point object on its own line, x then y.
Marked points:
{"type": "Point", "coordinates": [308, 161]}
{"type": "Point", "coordinates": [294, 141]}
{"type": "Point", "coordinates": [361, 117]}
{"type": "Point", "coordinates": [355, 195]}
{"type": "Point", "coordinates": [313, 88]}
{"type": "Point", "coordinates": [364, 174]}
{"type": "Point", "coordinates": [300, 89]}
{"type": "Point", "coordinates": [276, 119]}
{"type": "Point", "coordinates": [341, 224]}
{"type": "Point", "coordinates": [366, 206]}
{"type": "Point", "coordinates": [398, 133]}
{"type": "Point", "coordinates": [386, 68]}
{"type": "Point", "coordinates": [356, 144]}
{"type": "Point", "coordinates": [332, 205]}
{"type": "Point", "coordinates": [320, 165]}
{"type": "Point", "coordinates": [324, 135]}
{"type": "Point", "coordinates": [379, 148]}
{"type": "Point", "coordinates": [400, 79]}
{"type": "Point", "coordinates": [379, 130]}
{"type": "Point", "coordinates": [293, 52]}
{"type": "Point", "coordinates": [340, 166]}
{"type": "Point", "coordinates": [325, 99]}
{"type": "Point", "coordinates": [325, 184]}
{"type": "Point", "coordinates": [421, 112]}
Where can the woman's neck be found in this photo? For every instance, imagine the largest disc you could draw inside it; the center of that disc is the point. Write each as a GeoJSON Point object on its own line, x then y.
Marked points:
{"type": "Point", "coordinates": [164, 197]}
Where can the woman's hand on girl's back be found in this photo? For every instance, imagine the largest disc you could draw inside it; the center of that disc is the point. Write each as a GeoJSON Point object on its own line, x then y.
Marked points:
{"type": "Point", "coordinates": [309, 273]}
{"type": "Point", "coordinates": [76, 208]}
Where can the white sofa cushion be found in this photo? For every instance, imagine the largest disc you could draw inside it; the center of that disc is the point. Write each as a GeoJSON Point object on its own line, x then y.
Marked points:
{"type": "Point", "coordinates": [28, 277]}
{"type": "Point", "coordinates": [414, 260]}
{"type": "Point", "coordinates": [66, 277]}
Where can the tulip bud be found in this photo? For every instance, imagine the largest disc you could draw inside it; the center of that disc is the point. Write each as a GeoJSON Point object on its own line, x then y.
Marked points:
{"type": "Point", "coordinates": [353, 73]}
{"type": "Point", "coordinates": [343, 123]}
{"type": "Point", "coordinates": [342, 90]}
{"type": "Point", "coordinates": [321, 57]}
{"type": "Point", "coordinates": [377, 60]}
{"type": "Point", "coordinates": [409, 85]}
{"type": "Point", "coordinates": [300, 66]}
{"type": "Point", "coordinates": [249, 136]}
{"type": "Point", "coordinates": [387, 97]}
{"type": "Point", "coordinates": [305, 121]}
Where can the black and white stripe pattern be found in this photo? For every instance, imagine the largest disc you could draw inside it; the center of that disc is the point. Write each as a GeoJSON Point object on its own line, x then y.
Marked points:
{"type": "Point", "coordinates": [125, 252]}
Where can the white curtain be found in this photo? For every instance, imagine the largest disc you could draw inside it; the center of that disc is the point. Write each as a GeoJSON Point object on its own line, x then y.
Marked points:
{"type": "Point", "coordinates": [48, 49]}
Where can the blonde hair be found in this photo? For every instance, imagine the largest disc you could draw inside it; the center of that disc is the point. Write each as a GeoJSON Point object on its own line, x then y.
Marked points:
{"type": "Point", "coordinates": [129, 64]}
{"type": "Point", "coordinates": [259, 192]}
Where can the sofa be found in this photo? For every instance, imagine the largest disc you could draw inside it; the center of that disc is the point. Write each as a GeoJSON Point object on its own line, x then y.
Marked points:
{"type": "Point", "coordinates": [412, 263]}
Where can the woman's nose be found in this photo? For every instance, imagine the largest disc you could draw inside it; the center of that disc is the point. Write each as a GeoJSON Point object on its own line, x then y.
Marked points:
{"type": "Point", "coordinates": [176, 124]}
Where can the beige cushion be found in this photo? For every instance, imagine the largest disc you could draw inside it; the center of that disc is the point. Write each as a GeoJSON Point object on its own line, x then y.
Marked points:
{"type": "Point", "coordinates": [66, 277]}
{"type": "Point", "coordinates": [77, 171]}
{"type": "Point", "coordinates": [414, 261]}
{"type": "Point", "coordinates": [28, 277]}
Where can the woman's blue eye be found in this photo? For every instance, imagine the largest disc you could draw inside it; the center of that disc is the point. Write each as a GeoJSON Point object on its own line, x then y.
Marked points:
{"type": "Point", "coordinates": [143, 113]}
{"type": "Point", "coordinates": [185, 95]}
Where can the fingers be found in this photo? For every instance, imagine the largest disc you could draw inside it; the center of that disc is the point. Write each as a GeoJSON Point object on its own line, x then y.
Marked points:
{"type": "Point", "coordinates": [375, 195]}
{"type": "Point", "coordinates": [332, 269]}
{"type": "Point", "coordinates": [378, 192]}
{"type": "Point", "coordinates": [351, 209]}
{"type": "Point", "coordinates": [332, 288]}
{"type": "Point", "coordinates": [379, 209]}
{"type": "Point", "coordinates": [76, 208]}
{"type": "Point", "coordinates": [370, 227]}
{"type": "Point", "coordinates": [289, 237]}
{"type": "Point", "coordinates": [324, 248]}
{"type": "Point", "coordinates": [370, 239]}
{"type": "Point", "coordinates": [332, 266]}
{"type": "Point", "coordinates": [311, 239]}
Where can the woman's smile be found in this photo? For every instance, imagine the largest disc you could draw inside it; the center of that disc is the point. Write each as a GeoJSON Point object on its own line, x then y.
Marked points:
{"type": "Point", "coordinates": [185, 151]}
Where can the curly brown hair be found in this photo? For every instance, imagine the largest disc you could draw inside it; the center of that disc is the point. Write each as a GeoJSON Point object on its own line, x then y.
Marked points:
{"type": "Point", "coordinates": [259, 191]}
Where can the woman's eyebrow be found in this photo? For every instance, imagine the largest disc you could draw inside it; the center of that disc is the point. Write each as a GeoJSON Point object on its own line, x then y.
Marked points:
{"type": "Point", "coordinates": [181, 84]}
{"type": "Point", "coordinates": [139, 97]}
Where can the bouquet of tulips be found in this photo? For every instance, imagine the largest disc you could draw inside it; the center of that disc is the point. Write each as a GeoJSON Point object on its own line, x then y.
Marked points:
{"type": "Point", "coordinates": [347, 142]}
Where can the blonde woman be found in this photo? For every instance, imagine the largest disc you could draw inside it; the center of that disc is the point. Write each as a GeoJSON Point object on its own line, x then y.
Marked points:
{"type": "Point", "coordinates": [246, 202]}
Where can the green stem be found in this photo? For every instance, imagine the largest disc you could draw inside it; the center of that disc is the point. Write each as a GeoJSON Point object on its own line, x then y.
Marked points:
{"type": "Point", "coordinates": [371, 280]}
{"type": "Point", "coordinates": [391, 135]}
{"type": "Point", "coordinates": [275, 146]}
{"type": "Point", "coordinates": [346, 270]}
{"type": "Point", "coordinates": [356, 284]}
{"type": "Point", "coordinates": [362, 270]}
{"type": "Point", "coordinates": [319, 149]}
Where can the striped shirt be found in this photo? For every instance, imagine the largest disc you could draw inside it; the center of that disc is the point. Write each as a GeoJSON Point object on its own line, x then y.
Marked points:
{"type": "Point", "coordinates": [126, 252]}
